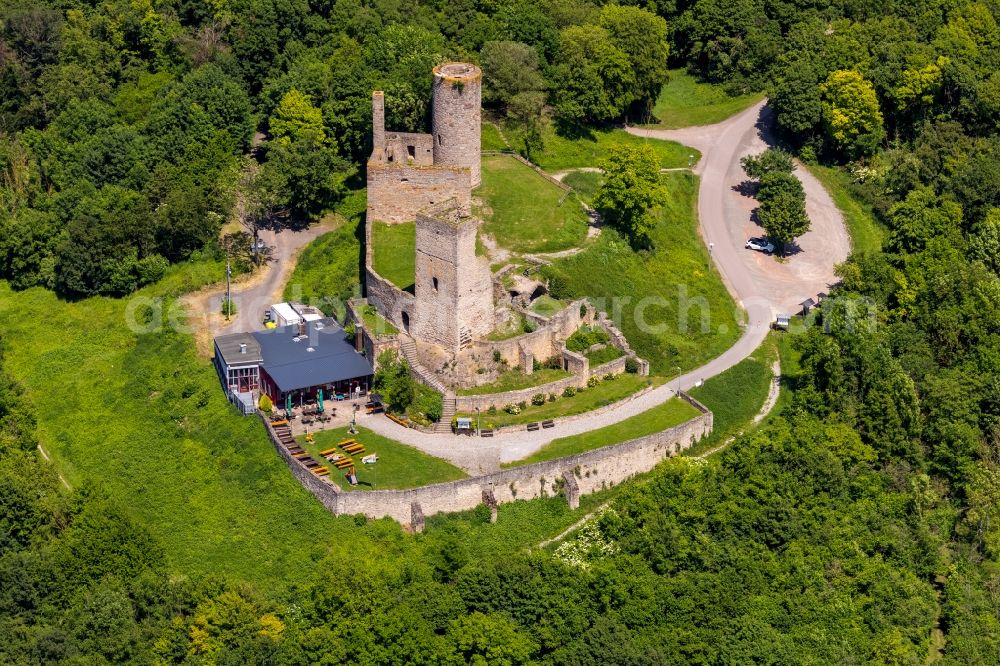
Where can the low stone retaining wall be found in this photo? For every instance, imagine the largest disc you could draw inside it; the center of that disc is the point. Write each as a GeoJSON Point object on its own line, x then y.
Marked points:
{"type": "Point", "coordinates": [571, 476]}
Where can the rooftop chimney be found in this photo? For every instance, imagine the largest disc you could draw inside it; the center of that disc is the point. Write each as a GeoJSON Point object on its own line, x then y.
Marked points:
{"type": "Point", "coordinates": [243, 348]}
{"type": "Point", "coordinates": [302, 328]}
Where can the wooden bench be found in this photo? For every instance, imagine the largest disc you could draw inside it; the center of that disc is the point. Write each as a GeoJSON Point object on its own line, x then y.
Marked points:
{"type": "Point", "coordinates": [532, 427]}
{"type": "Point", "coordinates": [548, 424]}
{"type": "Point", "coordinates": [321, 471]}
{"type": "Point", "coordinates": [328, 451]}
{"type": "Point", "coordinates": [486, 433]}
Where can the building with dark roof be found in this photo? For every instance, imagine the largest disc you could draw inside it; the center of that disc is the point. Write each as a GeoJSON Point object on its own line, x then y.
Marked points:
{"type": "Point", "coordinates": [296, 360]}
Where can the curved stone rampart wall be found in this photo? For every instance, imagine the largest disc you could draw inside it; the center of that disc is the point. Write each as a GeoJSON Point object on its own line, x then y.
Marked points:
{"type": "Point", "coordinates": [571, 476]}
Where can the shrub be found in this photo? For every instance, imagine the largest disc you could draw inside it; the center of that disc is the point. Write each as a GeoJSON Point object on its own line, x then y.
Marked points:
{"type": "Point", "coordinates": [593, 381]}
{"type": "Point", "coordinates": [631, 365]}
{"type": "Point", "coordinates": [535, 365]}
{"type": "Point", "coordinates": [265, 404]}
{"type": "Point", "coordinates": [428, 402]}
{"type": "Point", "coordinates": [538, 399]}
{"type": "Point", "coordinates": [569, 391]}
{"type": "Point", "coordinates": [496, 356]}
{"type": "Point", "coordinates": [529, 326]}
{"type": "Point", "coordinates": [228, 307]}
{"type": "Point", "coordinates": [522, 404]}
{"type": "Point", "coordinates": [553, 362]}
{"type": "Point", "coordinates": [552, 397]}
{"type": "Point", "coordinates": [609, 377]}
{"type": "Point", "coordinates": [586, 337]}
{"type": "Point", "coordinates": [512, 409]}
{"type": "Point", "coordinates": [492, 410]}
{"type": "Point", "coordinates": [583, 310]}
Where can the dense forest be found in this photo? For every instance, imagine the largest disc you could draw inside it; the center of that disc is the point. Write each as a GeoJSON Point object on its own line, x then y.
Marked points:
{"type": "Point", "coordinates": [860, 525]}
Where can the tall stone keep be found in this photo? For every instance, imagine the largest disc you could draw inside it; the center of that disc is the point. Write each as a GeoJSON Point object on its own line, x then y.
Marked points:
{"type": "Point", "coordinates": [453, 286]}
{"type": "Point", "coordinates": [456, 117]}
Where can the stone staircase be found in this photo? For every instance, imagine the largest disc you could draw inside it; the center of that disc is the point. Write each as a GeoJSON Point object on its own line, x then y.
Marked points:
{"type": "Point", "coordinates": [425, 376]}
{"type": "Point", "coordinates": [409, 348]}
{"type": "Point", "coordinates": [444, 425]}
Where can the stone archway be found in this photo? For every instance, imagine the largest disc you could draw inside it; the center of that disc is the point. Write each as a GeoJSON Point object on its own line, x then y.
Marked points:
{"type": "Point", "coordinates": [406, 322]}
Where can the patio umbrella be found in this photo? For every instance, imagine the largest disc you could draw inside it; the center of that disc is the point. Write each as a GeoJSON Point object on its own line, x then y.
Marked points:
{"type": "Point", "coordinates": [288, 404]}
{"type": "Point", "coordinates": [319, 400]}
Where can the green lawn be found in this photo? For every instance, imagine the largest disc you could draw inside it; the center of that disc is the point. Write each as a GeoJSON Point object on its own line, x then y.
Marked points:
{"type": "Point", "coordinates": [525, 212]}
{"type": "Point", "coordinates": [735, 396]}
{"type": "Point", "coordinates": [514, 380]}
{"type": "Point", "coordinates": [684, 102]}
{"type": "Point", "coordinates": [603, 356]}
{"type": "Point", "coordinates": [490, 138]}
{"type": "Point", "coordinates": [394, 253]}
{"type": "Point", "coordinates": [326, 273]}
{"type": "Point", "coordinates": [399, 466]}
{"type": "Point", "coordinates": [590, 150]}
{"type": "Point", "coordinates": [687, 316]}
{"type": "Point", "coordinates": [671, 413]}
{"type": "Point", "coordinates": [603, 394]}
{"type": "Point", "coordinates": [585, 183]}
{"type": "Point", "coordinates": [865, 231]}
{"type": "Point", "coordinates": [546, 306]}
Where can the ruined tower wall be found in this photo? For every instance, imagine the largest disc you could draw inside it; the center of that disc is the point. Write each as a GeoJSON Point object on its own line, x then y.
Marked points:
{"type": "Point", "coordinates": [457, 108]}
{"type": "Point", "coordinates": [396, 192]}
{"type": "Point", "coordinates": [451, 281]}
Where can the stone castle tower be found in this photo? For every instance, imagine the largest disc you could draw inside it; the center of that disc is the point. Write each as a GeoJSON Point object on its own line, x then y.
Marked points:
{"type": "Point", "coordinates": [408, 172]}
{"type": "Point", "coordinates": [428, 178]}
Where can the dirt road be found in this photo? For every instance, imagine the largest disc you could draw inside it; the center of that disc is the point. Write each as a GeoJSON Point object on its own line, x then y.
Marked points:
{"type": "Point", "coordinates": [254, 294]}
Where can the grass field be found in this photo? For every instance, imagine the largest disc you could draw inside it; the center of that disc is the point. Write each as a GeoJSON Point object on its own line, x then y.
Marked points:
{"type": "Point", "coordinates": [669, 302]}
{"type": "Point", "coordinates": [562, 152]}
{"type": "Point", "coordinates": [589, 399]}
{"type": "Point", "coordinates": [865, 231]}
{"type": "Point", "coordinates": [685, 102]}
{"type": "Point", "coordinates": [585, 183]}
{"type": "Point", "coordinates": [525, 212]}
{"type": "Point", "coordinates": [394, 252]}
{"type": "Point", "coordinates": [514, 379]}
{"type": "Point", "coordinates": [671, 413]}
{"type": "Point", "coordinates": [398, 466]}
{"type": "Point", "coordinates": [327, 271]}
{"type": "Point", "coordinates": [735, 396]}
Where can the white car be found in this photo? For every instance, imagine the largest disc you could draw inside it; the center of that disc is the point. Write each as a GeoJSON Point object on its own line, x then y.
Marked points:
{"type": "Point", "coordinates": [760, 244]}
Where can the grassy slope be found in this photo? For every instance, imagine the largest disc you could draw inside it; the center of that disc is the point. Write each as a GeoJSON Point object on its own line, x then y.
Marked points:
{"type": "Point", "coordinates": [328, 269]}
{"type": "Point", "coordinates": [398, 466]}
{"type": "Point", "coordinates": [490, 138]}
{"type": "Point", "coordinates": [679, 264]}
{"type": "Point", "coordinates": [546, 306]}
{"type": "Point", "coordinates": [590, 150]}
{"type": "Point", "coordinates": [865, 231]}
{"type": "Point", "coordinates": [667, 415]}
{"type": "Point", "coordinates": [394, 252]}
{"type": "Point", "coordinates": [586, 183]}
{"type": "Point", "coordinates": [685, 102]}
{"type": "Point", "coordinates": [593, 397]}
{"type": "Point", "coordinates": [735, 396]}
{"type": "Point", "coordinates": [144, 418]}
{"type": "Point", "coordinates": [525, 212]}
